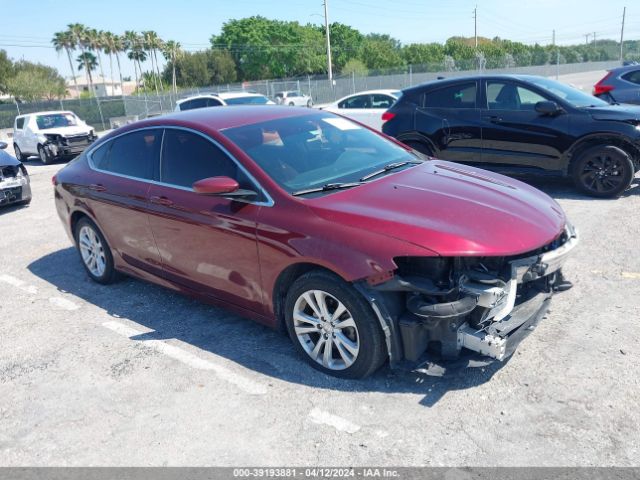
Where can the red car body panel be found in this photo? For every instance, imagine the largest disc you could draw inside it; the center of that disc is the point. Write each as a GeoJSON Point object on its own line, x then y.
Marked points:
{"type": "Point", "coordinates": [229, 252]}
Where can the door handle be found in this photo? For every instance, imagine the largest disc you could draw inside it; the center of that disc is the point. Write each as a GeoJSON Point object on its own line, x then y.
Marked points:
{"type": "Point", "coordinates": [494, 119]}
{"type": "Point", "coordinates": [161, 201]}
{"type": "Point", "coordinates": [97, 187]}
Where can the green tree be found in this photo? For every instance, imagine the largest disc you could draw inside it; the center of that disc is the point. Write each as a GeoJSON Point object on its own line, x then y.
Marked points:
{"type": "Point", "coordinates": [381, 51]}
{"type": "Point", "coordinates": [34, 81]}
{"type": "Point", "coordinates": [172, 51]}
{"type": "Point", "coordinates": [346, 44]}
{"type": "Point", "coordinates": [354, 66]}
{"type": "Point", "coordinates": [89, 63]}
{"type": "Point", "coordinates": [423, 53]}
{"type": "Point", "coordinates": [6, 70]}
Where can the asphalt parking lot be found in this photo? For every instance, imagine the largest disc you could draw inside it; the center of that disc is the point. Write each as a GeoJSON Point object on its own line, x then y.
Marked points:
{"type": "Point", "coordinates": [133, 374]}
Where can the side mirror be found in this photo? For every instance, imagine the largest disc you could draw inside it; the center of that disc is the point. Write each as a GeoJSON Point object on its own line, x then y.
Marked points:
{"type": "Point", "coordinates": [222, 186]}
{"type": "Point", "coordinates": [3, 145]}
{"type": "Point", "coordinates": [548, 108]}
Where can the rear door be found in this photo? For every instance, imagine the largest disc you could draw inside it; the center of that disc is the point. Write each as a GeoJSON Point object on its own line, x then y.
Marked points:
{"type": "Point", "coordinates": [357, 107]}
{"type": "Point", "coordinates": [449, 116]}
{"type": "Point", "coordinates": [629, 88]}
{"type": "Point", "coordinates": [117, 194]}
{"type": "Point", "coordinates": [18, 133]}
{"type": "Point", "coordinates": [514, 135]}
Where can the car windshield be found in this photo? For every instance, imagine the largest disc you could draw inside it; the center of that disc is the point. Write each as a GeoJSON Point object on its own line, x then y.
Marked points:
{"type": "Point", "coordinates": [315, 150]}
{"type": "Point", "coordinates": [56, 120]}
{"type": "Point", "coordinates": [248, 100]}
{"type": "Point", "coordinates": [569, 94]}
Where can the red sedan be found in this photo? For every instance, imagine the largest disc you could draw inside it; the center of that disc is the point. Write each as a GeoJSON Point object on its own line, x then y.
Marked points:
{"type": "Point", "coordinates": [362, 249]}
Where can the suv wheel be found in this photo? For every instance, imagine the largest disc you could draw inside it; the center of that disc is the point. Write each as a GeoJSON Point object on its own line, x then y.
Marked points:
{"type": "Point", "coordinates": [333, 326]}
{"type": "Point", "coordinates": [94, 252]}
{"type": "Point", "coordinates": [604, 171]}
{"type": "Point", "coordinates": [45, 157]}
{"type": "Point", "coordinates": [420, 147]}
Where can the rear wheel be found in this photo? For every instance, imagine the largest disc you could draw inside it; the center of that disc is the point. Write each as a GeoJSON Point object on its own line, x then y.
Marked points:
{"type": "Point", "coordinates": [19, 155]}
{"type": "Point", "coordinates": [603, 171]}
{"type": "Point", "coordinates": [95, 252]}
{"type": "Point", "coordinates": [309, 103]}
{"type": "Point", "coordinates": [420, 147]}
{"type": "Point", "coordinates": [333, 326]}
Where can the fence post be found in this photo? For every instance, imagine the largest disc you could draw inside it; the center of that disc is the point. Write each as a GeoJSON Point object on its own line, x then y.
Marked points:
{"type": "Point", "coordinates": [353, 82]}
{"type": "Point", "coordinates": [410, 75]}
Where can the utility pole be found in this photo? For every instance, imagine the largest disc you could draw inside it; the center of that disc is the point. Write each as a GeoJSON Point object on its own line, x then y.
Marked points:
{"type": "Point", "coordinates": [475, 25]}
{"type": "Point", "coordinates": [594, 39]}
{"type": "Point", "coordinates": [326, 27]}
{"type": "Point", "coordinates": [624, 11]}
{"type": "Point", "coordinates": [586, 38]}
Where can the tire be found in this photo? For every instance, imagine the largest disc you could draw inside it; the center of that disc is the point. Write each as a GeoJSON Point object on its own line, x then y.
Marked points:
{"type": "Point", "coordinates": [19, 155]}
{"type": "Point", "coordinates": [357, 349]}
{"type": "Point", "coordinates": [309, 103]}
{"type": "Point", "coordinates": [45, 158]}
{"type": "Point", "coordinates": [291, 104]}
{"type": "Point", "coordinates": [604, 171]}
{"type": "Point", "coordinates": [85, 233]}
{"type": "Point", "coordinates": [420, 147]}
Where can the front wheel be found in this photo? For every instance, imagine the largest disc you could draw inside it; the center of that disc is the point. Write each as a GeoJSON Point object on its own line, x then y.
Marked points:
{"type": "Point", "coordinates": [333, 326]}
{"type": "Point", "coordinates": [309, 103]}
{"type": "Point", "coordinates": [95, 252]}
{"type": "Point", "coordinates": [44, 155]}
{"type": "Point", "coordinates": [603, 171]}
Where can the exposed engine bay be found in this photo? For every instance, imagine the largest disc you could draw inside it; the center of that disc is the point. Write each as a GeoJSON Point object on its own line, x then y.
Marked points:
{"type": "Point", "coordinates": [483, 304]}
{"type": "Point", "coordinates": [58, 145]}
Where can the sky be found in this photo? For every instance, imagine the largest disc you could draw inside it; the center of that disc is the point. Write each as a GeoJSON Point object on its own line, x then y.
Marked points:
{"type": "Point", "coordinates": [192, 22]}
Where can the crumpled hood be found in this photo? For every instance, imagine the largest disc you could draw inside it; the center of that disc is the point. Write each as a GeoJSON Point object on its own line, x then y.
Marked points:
{"type": "Point", "coordinates": [621, 113]}
{"type": "Point", "coordinates": [450, 209]}
{"type": "Point", "coordinates": [68, 131]}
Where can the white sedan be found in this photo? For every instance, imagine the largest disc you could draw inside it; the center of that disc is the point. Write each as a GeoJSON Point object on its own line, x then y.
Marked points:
{"type": "Point", "coordinates": [365, 107]}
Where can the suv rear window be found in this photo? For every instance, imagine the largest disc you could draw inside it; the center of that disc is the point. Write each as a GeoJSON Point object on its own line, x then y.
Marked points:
{"type": "Point", "coordinates": [633, 77]}
{"type": "Point", "coordinates": [462, 95]}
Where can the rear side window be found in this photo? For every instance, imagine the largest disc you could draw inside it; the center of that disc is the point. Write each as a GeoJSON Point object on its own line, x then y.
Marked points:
{"type": "Point", "coordinates": [212, 102]}
{"type": "Point", "coordinates": [461, 95]}
{"type": "Point", "coordinates": [187, 158]}
{"type": "Point", "coordinates": [359, 101]}
{"type": "Point", "coordinates": [192, 104]}
{"type": "Point", "coordinates": [381, 101]}
{"type": "Point", "coordinates": [633, 77]}
{"type": "Point", "coordinates": [134, 154]}
{"type": "Point", "coordinates": [20, 123]}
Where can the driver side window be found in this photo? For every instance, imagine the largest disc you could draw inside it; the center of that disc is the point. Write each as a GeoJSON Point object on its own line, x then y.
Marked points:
{"type": "Point", "coordinates": [187, 158]}
{"type": "Point", "coordinates": [359, 101]}
{"type": "Point", "coordinates": [509, 96]}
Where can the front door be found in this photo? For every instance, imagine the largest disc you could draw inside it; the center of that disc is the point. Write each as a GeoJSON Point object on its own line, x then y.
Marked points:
{"type": "Point", "coordinates": [449, 117]}
{"type": "Point", "coordinates": [515, 136]}
{"type": "Point", "coordinates": [207, 243]}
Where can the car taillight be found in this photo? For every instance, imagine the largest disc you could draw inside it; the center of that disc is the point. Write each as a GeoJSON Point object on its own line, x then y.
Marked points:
{"type": "Point", "coordinates": [386, 116]}
{"type": "Point", "coordinates": [599, 88]}
{"type": "Point", "coordinates": [54, 180]}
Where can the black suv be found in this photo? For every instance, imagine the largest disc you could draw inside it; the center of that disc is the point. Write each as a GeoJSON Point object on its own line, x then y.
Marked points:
{"type": "Point", "coordinates": [521, 124]}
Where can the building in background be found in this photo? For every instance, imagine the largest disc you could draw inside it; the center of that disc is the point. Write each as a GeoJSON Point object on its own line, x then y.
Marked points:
{"type": "Point", "coordinates": [103, 87]}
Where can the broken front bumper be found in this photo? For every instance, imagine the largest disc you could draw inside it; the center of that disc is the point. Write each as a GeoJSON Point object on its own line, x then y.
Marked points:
{"type": "Point", "coordinates": [487, 314]}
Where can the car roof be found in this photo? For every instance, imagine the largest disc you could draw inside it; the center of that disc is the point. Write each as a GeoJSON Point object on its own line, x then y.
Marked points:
{"type": "Point", "coordinates": [215, 119]}
{"type": "Point", "coordinates": [384, 91]}
{"type": "Point", "coordinates": [463, 78]}
{"type": "Point", "coordinates": [221, 95]}
{"type": "Point", "coordinates": [48, 112]}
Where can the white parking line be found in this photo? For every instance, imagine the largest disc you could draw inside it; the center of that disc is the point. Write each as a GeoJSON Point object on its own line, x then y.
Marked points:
{"type": "Point", "coordinates": [19, 284]}
{"type": "Point", "coordinates": [188, 358]}
{"type": "Point", "coordinates": [63, 303]}
{"type": "Point", "coordinates": [325, 418]}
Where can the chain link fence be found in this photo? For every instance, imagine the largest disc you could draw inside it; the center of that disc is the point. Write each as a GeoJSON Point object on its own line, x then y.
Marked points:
{"type": "Point", "coordinates": [117, 111]}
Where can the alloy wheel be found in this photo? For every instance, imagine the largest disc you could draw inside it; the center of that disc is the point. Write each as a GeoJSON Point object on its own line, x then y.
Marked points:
{"type": "Point", "coordinates": [92, 251]}
{"type": "Point", "coordinates": [602, 174]}
{"type": "Point", "coordinates": [326, 330]}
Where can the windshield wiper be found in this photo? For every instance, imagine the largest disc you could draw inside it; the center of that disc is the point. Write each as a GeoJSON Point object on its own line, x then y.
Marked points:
{"type": "Point", "coordinates": [389, 167]}
{"type": "Point", "coordinates": [326, 188]}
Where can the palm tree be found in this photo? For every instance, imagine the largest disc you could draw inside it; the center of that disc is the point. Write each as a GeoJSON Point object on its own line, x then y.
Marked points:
{"type": "Point", "coordinates": [64, 40]}
{"type": "Point", "coordinates": [149, 41]}
{"type": "Point", "coordinates": [89, 62]}
{"type": "Point", "coordinates": [136, 52]}
{"type": "Point", "coordinates": [108, 46]}
{"type": "Point", "coordinates": [171, 52]}
{"type": "Point", "coordinates": [93, 39]}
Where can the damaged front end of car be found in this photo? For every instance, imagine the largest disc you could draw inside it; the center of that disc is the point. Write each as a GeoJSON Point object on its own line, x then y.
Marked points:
{"type": "Point", "coordinates": [444, 306]}
{"type": "Point", "coordinates": [57, 145]}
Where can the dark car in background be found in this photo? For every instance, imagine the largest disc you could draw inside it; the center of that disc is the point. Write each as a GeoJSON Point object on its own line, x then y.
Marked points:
{"type": "Point", "coordinates": [15, 187]}
{"type": "Point", "coordinates": [520, 124]}
{"type": "Point", "coordinates": [620, 85]}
